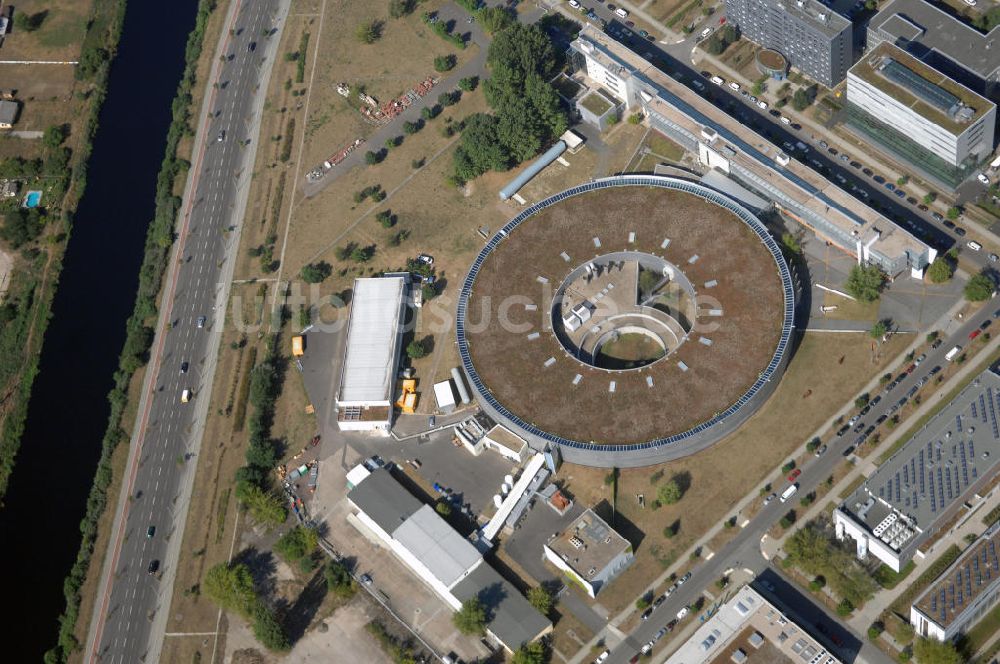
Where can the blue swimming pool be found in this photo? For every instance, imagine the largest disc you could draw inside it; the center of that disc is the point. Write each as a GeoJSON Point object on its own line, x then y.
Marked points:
{"type": "Point", "coordinates": [32, 199]}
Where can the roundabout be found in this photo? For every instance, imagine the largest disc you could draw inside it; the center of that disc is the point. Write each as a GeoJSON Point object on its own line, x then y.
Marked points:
{"type": "Point", "coordinates": [627, 321]}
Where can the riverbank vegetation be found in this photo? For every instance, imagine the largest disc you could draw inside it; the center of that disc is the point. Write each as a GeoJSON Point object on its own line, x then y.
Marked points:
{"type": "Point", "coordinates": [139, 333]}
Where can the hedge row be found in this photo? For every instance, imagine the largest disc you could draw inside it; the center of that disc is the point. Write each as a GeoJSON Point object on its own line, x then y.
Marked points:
{"type": "Point", "coordinates": [134, 354]}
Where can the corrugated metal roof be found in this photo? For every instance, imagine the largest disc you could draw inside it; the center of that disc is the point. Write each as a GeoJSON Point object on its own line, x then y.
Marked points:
{"type": "Point", "coordinates": [437, 545]}
{"type": "Point", "coordinates": [384, 500]}
{"type": "Point", "coordinates": [511, 618]}
{"type": "Point", "coordinates": [368, 375]}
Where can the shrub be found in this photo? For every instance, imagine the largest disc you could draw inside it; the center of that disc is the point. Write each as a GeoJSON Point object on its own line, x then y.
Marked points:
{"type": "Point", "coordinates": [669, 492]}
{"type": "Point", "coordinates": [939, 271]}
{"type": "Point", "coordinates": [314, 273]}
{"type": "Point", "coordinates": [978, 288]}
{"type": "Point", "coordinates": [415, 350]}
{"type": "Point", "coordinates": [471, 618]}
{"type": "Point", "coordinates": [368, 32]}
{"type": "Point", "coordinates": [443, 63]}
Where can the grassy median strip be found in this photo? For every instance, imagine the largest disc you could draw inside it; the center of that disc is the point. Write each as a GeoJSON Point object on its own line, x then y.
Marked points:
{"type": "Point", "coordinates": [159, 239]}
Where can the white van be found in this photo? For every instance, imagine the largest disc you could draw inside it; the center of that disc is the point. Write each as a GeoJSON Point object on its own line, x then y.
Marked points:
{"type": "Point", "coordinates": [574, 4]}
{"type": "Point", "coordinates": [621, 12]}
{"type": "Point", "coordinates": [952, 353]}
{"type": "Point", "coordinates": [789, 492]}
{"type": "Point", "coordinates": [972, 244]}
{"type": "Point", "coordinates": [706, 32]}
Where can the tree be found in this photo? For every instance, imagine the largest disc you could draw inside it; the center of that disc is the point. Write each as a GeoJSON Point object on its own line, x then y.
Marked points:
{"type": "Point", "coordinates": [416, 350]}
{"type": "Point", "coordinates": [443, 507]}
{"type": "Point", "coordinates": [469, 83]}
{"type": "Point", "coordinates": [266, 508]}
{"type": "Point", "coordinates": [428, 292]}
{"type": "Point", "coordinates": [29, 22]}
{"type": "Point", "coordinates": [296, 543]}
{"type": "Point", "coordinates": [267, 629]}
{"type": "Point", "coordinates": [531, 653]}
{"type": "Point", "coordinates": [368, 32]}
{"type": "Point", "coordinates": [932, 651]}
{"type": "Point", "coordinates": [21, 225]}
{"type": "Point", "coordinates": [54, 136]}
{"type": "Point", "coordinates": [865, 282]}
{"type": "Point", "coordinates": [471, 618]}
{"type": "Point", "coordinates": [480, 149]}
{"type": "Point", "coordinates": [400, 8]}
{"type": "Point", "coordinates": [541, 599]}
{"type": "Point", "coordinates": [338, 579]}
{"type": "Point", "coordinates": [939, 271]}
{"type": "Point", "coordinates": [979, 288]}
{"type": "Point", "coordinates": [902, 180]}
{"type": "Point", "coordinates": [314, 273]}
{"type": "Point", "coordinates": [385, 219]}
{"type": "Point", "coordinates": [953, 213]}
{"type": "Point", "coordinates": [443, 63]}
{"type": "Point", "coordinates": [862, 401]}
{"type": "Point", "coordinates": [411, 127]}
{"type": "Point", "coordinates": [757, 89]}
{"type": "Point", "coordinates": [791, 244]}
{"type": "Point", "coordinates": [800, 100]}
{"type": "Point", "coordinates": [231, 587]}
{"type": "Point", "coordinates": [929, 197]}
{"type": "Point", "coordinates": [879, 328]}
{"type": "Point", "coordinates": [494, 19]}
{"type": "Point", "coordinates": [669, 492]}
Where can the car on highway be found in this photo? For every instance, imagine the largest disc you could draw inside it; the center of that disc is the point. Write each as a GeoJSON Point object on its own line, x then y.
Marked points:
{"type": "Point", "coordinates": [150, 531]}
{"type": "Point", "coordinates": [251, 47]}
{"type": "Point", "coordinates": [184, 367]}
{"type": "Point", "coordinates": [201, 322]}
{"type": "Point", "coordinates": [154, 566]}
{"type": "Point", "coordinates": [792, 476]}
{"type": "Point", "coordinates": [185, 396]}
{"type": "Point", "coordinates": [821, 450]}
{"type": "Point", "coordinates": [221, 137]}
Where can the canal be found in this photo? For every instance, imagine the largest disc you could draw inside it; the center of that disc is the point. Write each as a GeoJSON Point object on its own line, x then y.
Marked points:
{"type": "Point", "coordinates": [68, 413]}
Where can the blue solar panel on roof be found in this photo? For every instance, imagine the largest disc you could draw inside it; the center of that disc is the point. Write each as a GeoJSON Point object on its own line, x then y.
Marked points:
{"type": "Point", "coordinates": [973, 409]}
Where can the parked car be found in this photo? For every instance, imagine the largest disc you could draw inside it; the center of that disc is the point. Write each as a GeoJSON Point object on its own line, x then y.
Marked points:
{"type": "Point", "coordinates": [683, 612]}
{"type": "Point", "coordinates": [792, 476]}
{"type": "Point", "coordinates": [603, 656]}
{"type": "Point", "coordinates": [659, 600]}
{"type": "Point", "coordinates": [647, 613]}
{"type": "Point", "coordinates": [767, 501]}
{"type": "Point", "coordinates": [821, 450]}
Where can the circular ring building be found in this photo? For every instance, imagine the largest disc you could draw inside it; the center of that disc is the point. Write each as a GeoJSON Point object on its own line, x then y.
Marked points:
{"type": "Point", "coordinates": [627, 321]}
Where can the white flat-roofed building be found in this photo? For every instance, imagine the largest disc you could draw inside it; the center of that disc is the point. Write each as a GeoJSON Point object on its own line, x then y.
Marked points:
{"type": "Point", "coordinates": [741, 628]}
{"type": "Point", "coordinates": [371, 357]}
{"type": "Point", "coordinates": [590, 552]}
{"type": "Point", "coordinates": [925, 484]}
{"type": "Point", "coordinates": [963, 594]}
{"type": "Point", "coordinates": [919, 114]}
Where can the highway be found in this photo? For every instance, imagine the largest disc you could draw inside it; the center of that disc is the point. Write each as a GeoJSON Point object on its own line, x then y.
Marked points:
{"type": "Point", "coordinates": [743, 552]}
{"type": "Point", "coordinates": [137, 574]}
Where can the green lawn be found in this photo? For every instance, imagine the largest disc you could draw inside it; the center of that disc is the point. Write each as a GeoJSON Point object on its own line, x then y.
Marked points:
{"type": "Point", "coordinates": [902, 603]}
{"type": "Point", "coordinates": [889, 579]}
{"type": "Point", "coordinates": [661, 145]}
